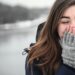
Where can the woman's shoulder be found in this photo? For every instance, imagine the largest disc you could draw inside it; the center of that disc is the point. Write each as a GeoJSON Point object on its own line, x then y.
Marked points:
{"type": "Point", "coordinates": [65, 70]}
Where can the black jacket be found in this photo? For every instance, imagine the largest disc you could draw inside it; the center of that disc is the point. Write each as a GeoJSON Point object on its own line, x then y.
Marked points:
{"type": "Point", "coordinates": [34, 70]}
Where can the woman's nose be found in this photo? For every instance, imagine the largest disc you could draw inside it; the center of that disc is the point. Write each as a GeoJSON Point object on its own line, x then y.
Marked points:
{"type": "Point", "coordinates": [72, 27]}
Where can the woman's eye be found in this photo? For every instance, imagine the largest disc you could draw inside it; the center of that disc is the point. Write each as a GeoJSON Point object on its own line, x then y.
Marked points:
{"type": "Point", "coordinates": [65, 22]}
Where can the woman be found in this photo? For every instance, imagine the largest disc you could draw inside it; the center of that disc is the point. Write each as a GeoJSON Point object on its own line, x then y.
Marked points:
{"type": "Point", "coordinates": [54, 52]}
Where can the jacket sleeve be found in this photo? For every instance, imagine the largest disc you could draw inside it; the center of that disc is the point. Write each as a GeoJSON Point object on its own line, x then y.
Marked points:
{"type": "Point", "coordinates": [27, 67]}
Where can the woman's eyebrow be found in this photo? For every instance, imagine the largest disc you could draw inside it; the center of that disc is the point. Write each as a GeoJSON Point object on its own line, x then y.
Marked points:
{"type": "Point", "coordinates": [65, 17]}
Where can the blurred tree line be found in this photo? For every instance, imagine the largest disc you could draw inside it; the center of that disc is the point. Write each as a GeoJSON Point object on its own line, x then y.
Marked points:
{"type": "Point", "coordinates": [10, 14]}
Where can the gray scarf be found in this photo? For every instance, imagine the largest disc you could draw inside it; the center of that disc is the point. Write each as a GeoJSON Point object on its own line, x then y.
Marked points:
{"type": "Point", "coordinates": [68, 52]}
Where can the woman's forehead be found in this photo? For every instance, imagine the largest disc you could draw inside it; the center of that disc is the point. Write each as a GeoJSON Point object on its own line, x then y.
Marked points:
{"type": "Point", "coordinates": [70, 11]}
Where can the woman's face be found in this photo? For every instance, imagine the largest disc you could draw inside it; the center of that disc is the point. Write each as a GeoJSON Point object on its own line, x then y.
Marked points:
{"type": "Point", "coordinates": [67, 21]}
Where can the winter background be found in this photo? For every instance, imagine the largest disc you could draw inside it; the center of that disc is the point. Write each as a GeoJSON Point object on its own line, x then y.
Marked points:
{"type": "Point", "coordinates": [19, 20]}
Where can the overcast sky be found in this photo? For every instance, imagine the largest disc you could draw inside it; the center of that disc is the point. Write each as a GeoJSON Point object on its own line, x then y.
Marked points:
{"type": "Point", "coordinates": [29, 3]}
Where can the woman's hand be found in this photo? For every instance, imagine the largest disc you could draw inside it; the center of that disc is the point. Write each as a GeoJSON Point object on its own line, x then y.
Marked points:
{"type": "Point", "coordinates": [68, 47]}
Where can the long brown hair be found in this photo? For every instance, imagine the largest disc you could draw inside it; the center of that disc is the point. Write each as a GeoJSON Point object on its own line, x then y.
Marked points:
{"type": "Point", "coordinates": [47, 49]}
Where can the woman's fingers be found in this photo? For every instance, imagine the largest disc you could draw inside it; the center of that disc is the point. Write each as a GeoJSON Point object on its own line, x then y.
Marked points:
{"type": "Point", "coordinates": [70, 30]}
{"type": "Point", "coordinates": [74, 30]}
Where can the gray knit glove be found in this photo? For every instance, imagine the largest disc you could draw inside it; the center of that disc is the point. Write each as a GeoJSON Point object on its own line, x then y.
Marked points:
{"type": "Point", "coordinates": [68, 51]}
